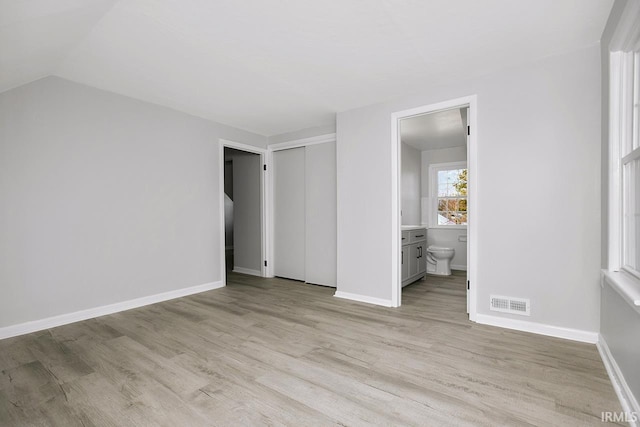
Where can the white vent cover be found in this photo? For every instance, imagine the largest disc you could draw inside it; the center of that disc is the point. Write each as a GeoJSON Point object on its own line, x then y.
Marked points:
{"type": "Point", "coordinates": [510, 305]}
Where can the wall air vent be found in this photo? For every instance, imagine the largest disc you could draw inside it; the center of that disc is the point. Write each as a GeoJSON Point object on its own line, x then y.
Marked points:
{"type": "Point", "coordinates": [510, 305]}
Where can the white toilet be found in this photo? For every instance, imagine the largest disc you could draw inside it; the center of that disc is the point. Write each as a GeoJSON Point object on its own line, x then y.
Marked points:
{"type": "Point", "coordinates": [439, 260]}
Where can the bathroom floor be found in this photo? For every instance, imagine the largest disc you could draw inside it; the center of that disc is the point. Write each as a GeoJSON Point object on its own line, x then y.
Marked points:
{"type": "Point", "coordinates": [448, 299]}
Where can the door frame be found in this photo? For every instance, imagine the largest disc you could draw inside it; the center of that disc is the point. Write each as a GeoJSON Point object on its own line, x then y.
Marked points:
{"type": "Point", "coordinates": [264, 196]}
{"type": "Point", "coordinates": [396, 192]}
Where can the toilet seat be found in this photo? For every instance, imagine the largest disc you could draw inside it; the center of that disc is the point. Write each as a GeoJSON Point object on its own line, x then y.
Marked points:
{"type": "Point", "coordinates": [438, 248]}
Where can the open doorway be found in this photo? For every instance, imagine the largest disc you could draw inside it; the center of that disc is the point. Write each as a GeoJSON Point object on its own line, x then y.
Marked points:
{"type": "Point", "coordinates": [434, 204]}
{"type": "Point", "coordinates": [243, 215]}
{"type": "Point", "coordinates": [434, 178]}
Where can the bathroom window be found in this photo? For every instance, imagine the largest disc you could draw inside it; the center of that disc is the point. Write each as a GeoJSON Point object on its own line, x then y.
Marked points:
{"type": "Point", "coordinates": [448, 182]}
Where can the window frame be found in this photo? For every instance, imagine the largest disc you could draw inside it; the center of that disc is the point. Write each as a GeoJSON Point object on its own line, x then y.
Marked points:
{"type": "Point", "coordinates": [434, 168]}
{"type": "Point", "coordinates": [623, 34]}
{"type": "Point", "coordinates": [624, 134]}
{"type": "Point", "coordinates": [630, 138]}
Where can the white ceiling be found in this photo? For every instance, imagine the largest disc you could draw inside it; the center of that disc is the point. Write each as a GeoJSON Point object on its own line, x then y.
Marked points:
{"type": "Point", "coordinates": [444, 129]}
{"type": "Point", "coordinates": [273, 66]}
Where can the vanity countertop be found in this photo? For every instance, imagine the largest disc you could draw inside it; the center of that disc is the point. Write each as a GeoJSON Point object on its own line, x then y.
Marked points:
{"type": "Point", "coordinates": [413, 227]}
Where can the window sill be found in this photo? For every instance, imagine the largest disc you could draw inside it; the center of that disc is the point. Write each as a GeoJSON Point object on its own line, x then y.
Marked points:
{"type": "Point", "coordinates": [449, 227]}
{"type": "Point", "coordinates": [625, 284]}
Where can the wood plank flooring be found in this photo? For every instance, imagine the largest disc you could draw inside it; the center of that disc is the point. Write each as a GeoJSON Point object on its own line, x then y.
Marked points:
{"type": "Point", "coordinates": [277, 352]}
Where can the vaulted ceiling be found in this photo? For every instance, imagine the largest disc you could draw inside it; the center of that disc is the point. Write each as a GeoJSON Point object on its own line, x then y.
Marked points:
{"type": "Point", "coordinates": [273, 66]}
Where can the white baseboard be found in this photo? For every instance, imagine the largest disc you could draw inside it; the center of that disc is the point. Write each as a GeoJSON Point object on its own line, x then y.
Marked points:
{"type": "Point", "coordinates": [247, 271]}
{"type": "Point", "coordinates": [459, 267]}
{"type": "Point", "coordinates": [364, 298]}
{"type": "Point", "coordinates": [625, 395]}
{"type": "Point", "coordinates": [538, 328]}
{"type": "Point", "coordinates": [64, 319]}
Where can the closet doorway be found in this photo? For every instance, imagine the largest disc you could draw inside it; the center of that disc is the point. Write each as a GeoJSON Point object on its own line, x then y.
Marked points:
{"type": "Point", "coordinates": [304, 211]}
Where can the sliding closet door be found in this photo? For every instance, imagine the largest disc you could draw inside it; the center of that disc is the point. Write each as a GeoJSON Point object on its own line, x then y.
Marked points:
{"type": "Point", "coordinates": [321, 214]}
{"type": "Point", "coordinates": [289, 213]}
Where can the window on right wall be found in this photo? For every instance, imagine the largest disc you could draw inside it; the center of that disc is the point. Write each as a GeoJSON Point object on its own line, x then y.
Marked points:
{"type": "Point", "coordinates": [448, 195]}
{"type": "Point", "coordinates": [624, 157]}
{"type": "Point", "coordinates": [630, 165]}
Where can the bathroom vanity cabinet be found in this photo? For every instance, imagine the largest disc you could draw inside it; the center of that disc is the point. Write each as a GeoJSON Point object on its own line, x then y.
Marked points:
{"type": "Point", "coordinates": [414, 254]}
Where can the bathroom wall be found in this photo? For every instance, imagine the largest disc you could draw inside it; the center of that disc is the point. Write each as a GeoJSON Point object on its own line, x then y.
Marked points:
{"type": "Point", "coordinates": [411, 191]}
{"type": "Point", "coordinates": [450, 239]}
{"type": "Point", "coordinates": [439, 236]}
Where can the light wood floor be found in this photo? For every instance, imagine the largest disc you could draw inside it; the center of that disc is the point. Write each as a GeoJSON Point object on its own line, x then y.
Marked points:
{"type": "Point", "coordinates": [276, 352]}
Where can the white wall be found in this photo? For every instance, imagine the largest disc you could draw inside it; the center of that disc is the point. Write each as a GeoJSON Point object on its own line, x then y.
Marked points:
{"type": "Point", "coordinates": [410, 185]}
{"type": "Point", "coordinates": [104, 199]}
{"type": "Point", "coordinates": [247, 230]}
{"type": "Point", "coordinates": [620, 329]}
{"type": "Point", "coordinates": [538, 154]}
{"type": "Point", "coordinates": [441, 236]}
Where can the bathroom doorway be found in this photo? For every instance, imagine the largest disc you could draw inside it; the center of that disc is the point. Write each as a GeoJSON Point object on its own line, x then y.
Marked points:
{"type": "Point", "coordinates": [434, 204]}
